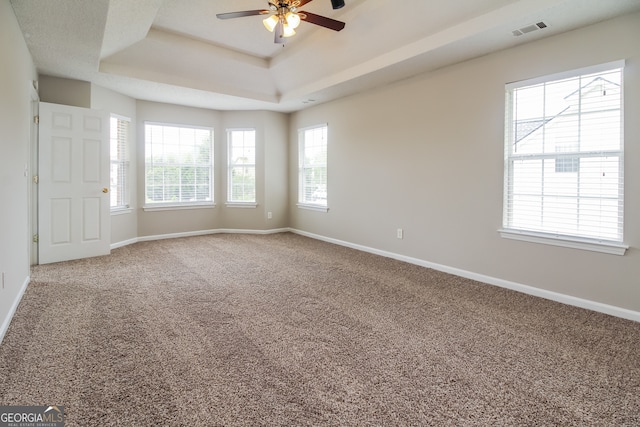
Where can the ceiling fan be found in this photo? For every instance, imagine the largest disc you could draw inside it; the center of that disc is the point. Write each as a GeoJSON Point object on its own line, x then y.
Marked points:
{"type": "Point", "coordinates": [285, 16]}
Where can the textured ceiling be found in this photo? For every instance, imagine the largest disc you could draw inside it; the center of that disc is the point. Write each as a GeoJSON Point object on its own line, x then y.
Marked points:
{"type": "Point", "coordinates": [176, 51]}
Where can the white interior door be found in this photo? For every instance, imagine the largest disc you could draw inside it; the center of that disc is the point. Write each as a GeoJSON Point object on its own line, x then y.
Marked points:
{"type": "Point", "coordinates": [73, 201]}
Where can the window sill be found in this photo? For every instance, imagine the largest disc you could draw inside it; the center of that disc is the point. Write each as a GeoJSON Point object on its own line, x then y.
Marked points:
{"type": "Point", "coordinates": [250, 205]}
{"type": "Point", "coordinates": [594, 245]}
{"type": "Point", "coordinates": [165, 207]}
{"type": "Point", "coordinates": [317, 208]}
{"type": "Point", "coordinates": [121, 211]}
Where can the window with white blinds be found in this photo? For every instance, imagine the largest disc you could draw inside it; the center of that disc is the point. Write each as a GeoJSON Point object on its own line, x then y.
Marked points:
{"type": "Point", "coordinates": [564, 156]}
{"type": "Point", "coordinates": [178, 165]}
{"type": "Point", "coordinates": [119, 162]}
{"type": "Point", "coordinates": [241, 166]}
{"type": "Point", "coordinates": [312, 182]}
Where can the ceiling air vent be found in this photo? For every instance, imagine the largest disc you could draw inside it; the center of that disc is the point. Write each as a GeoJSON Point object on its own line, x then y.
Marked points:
{"type": "Point", "coordinates": [529, 28]}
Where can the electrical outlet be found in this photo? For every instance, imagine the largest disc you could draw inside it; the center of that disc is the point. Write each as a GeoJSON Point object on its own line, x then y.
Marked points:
{"type": "Point", "coordinates": [269, 215]}
{"type": "Point", "coordinates": [400, 233]}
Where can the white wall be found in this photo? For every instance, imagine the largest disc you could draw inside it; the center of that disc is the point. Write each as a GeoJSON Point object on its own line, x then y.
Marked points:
{"type": "Point", "coordinates": [16, 75]}
{"type": "Point", "coordinates": [426, 155]}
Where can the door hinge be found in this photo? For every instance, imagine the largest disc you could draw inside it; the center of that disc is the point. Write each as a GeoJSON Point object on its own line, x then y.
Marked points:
{"type": "Point", "coordinates": [36, 238]}
{"type": "Point", "coordinates": [36, 179]}
{"type": "Point", "coordinates": [36, 120]}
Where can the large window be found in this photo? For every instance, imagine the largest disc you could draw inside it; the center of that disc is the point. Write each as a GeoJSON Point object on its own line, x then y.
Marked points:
{"type": "Point", "coordinates": [241, 166]}
{"type": "Point", "coordinates": [119, 176]}
{"type": "Point", "coordinates": [312, 182]}
{"type": "Point", "coordinates": [178, 165]}
{"type": "Point", "coordinates": [564, 157]}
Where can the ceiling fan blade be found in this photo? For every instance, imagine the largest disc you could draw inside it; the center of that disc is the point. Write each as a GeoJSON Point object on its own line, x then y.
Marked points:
{"type": "Point", "coordinates": [242, 14]}
{"type": "Point", "coordinates": [323, 21]}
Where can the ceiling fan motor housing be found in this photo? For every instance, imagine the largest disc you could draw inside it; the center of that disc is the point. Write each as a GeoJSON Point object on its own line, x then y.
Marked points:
{"type": "Point", "coordinates": [288, 4]}
{"type": "Point", "coordinates": [284, 17]}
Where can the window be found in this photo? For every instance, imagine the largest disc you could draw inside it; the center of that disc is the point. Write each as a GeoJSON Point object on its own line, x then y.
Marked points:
{"type": "Point", "coordinates": [242, 166]}
{"type": "Point", "coordinates": [178, 165]}
{"type": "Point", "coordinates": [567, 163]}
{"type": "Point", "coordinates": [119, 175]}
{"type": "Point", "coordinates": [564, 158]}
{"type": "Point", "coordinates": [312, 183]}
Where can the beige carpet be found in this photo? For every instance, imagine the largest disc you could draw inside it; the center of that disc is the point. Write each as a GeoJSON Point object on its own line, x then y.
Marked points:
{"type": "Point", "coordinates": [282, 330]}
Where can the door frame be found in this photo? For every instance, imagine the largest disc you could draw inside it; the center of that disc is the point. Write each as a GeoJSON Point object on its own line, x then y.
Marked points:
{"type": "Point", "coordinates": [33, 178]}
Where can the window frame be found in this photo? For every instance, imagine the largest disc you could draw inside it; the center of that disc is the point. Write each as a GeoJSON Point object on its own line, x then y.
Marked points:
{"type": "Point", "coordinates": [175, 205]}
{"type": "Point", "coordinates": [303, 203]}
{"type": "Point", "coordinates": [230, 167]}
{"type": "Point", "coordinates": [122, 161]}
{"type": "Point", "coordinates": [614, 246]}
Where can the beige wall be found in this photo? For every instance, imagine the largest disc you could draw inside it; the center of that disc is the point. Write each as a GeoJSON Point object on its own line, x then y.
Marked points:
{"type": "Point", "coordinates": [153, 223]}
{"type": "Point", "coordinates": [276, 179]}
{"type": "Point", "coordinates": [271, 166]}
{"type": "Point", "coordinates": [57, 90]}
{"type": "Point", "coordinates": [272, 146]}
{"type": "Point", "coordinates": [271, 170]}
{"type": "Point", "coordinates": [16, 75]}
{"type": "Point", "coordinates": [426, 155]}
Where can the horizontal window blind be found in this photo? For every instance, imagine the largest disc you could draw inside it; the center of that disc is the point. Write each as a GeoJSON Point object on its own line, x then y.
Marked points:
{"type": "Point", "coordinates": [312, 181]}
{"type": "Point", "coordinates": [242, 165]}
{"type": "Point", "coordinates": [564, 156]}
{"type": "Point", "coordinates": [178, 164]}
{"type": "Point", "coordinates": [119, 136]}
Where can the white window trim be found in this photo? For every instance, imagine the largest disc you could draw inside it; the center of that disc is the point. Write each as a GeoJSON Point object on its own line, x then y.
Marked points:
{"type": "Point", "coordinates": [241, 205]}
{"type": "Point", "coordinates": [307, 205]}
{"type": "Point", "coordinates": [120, 117]}
{"type": "Point", "coordinates": [124, 209]}
{"type": "Point", "coordinates": [310, 207]}
{"type": "Point", "coordinates": [237, 204]}
{"type": "Point", "coordinates": [183, 205]}
{"type": "Point", "coordinates": [573, 242]}
{"type": "Point", "coordinates": [567, 74]}
{"type": "Point", "coordinates": [603, 246]}
{"type": "Point", "coordinates": [121, 211]}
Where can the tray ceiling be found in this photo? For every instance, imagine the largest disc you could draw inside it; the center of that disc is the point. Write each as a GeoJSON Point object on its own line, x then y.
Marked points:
{"type": "Point", "coordinates": [176, 51]}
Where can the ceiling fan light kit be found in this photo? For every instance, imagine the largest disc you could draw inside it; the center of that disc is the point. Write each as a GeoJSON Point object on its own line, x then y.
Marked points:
{"type": "Point", "coordinates": [271, 22]}
{"type": "Point", "coordinates": [285, 17]}
{"type": "Point", "coordinates": [284, 25]}
{"type": "Point", "coordinates": [293, 19]}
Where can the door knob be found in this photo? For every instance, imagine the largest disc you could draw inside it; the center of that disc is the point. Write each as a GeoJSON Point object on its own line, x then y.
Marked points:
{"type": "Point", "coordinates": [105, 190]}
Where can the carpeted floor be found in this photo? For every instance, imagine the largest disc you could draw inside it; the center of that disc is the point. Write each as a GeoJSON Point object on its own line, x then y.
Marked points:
{"type": "Point", "coordinates": [282, 330]}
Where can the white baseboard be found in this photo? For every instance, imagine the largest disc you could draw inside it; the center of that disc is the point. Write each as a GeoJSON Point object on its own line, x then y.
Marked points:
{"type": "Point", "coordinates": [526, 289]}
{"type": "Point", "coordinates": [195, 233]}
{"type": "Point", "coordinates": [124, 243]}
{"type": "Point", "coordinates": [7, 320]}
{"type": "Point", "coordinates": [530, 290]}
